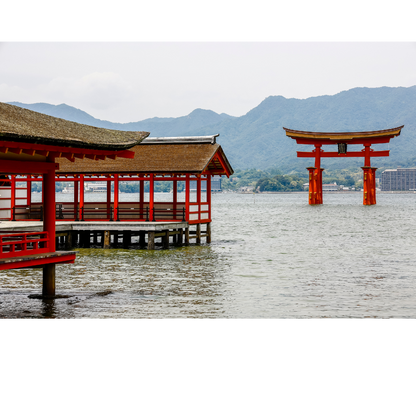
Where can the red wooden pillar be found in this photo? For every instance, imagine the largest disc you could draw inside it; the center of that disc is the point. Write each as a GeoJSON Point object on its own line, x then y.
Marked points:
{"type": "Point", "coordinates": [319, 193]}
{"type": "Point", "coordinates": [76, 191]}
{"type": "Point", "coordinates": [369, 185]}
{"type": "Point", "coordinates": [48, 188]}
{"type": "Point", "coordinates": [312, 194]}
{"type": "Point", "coordinates": [81, 196]}
{"type": "Point", "coordinates": [13, 198]}
{"type": "Point", "coordinates": [29, 191]}
{"type": "Point", "coordinates": [116, 194]}
{"type": "Point", "coordinates": [369, 178]}
{"type": "Point", "coordinates": [198, 195]}
{"type": "Point", "coordinates": [141, 190]}
{"type": "Point", "coordinates": [152, 197]}
{"type": "Point", "coordinates": [175, 196]}
{"type": "Point", "coordinates": [209, 177]}
{"type": "Point", "coordinates": [187, 196]}
{"type": "Point", "coordinates": [317, 176]}
{"type": "Point", "coordinates": [108, 188]}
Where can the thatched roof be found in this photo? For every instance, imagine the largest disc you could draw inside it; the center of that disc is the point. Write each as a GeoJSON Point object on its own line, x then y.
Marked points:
{"type": "Point", "coordinates": [158, 155]}
{"type": "Point", "coordinates": [22, 125]}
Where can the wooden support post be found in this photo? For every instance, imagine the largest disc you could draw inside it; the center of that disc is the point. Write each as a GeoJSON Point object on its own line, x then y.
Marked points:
{"type": "Point", "coordinates": [142, 239]}
{"type": "Point", "coordinates": [208, 232]}
{"type": "Point", "coordinates": [187, 236]}
{"type": "Point", "coordinates": [198, 233]}
{"type": "Point", "coordinates": [106, 240]}
{"type": "Point", "coordinates": [151, 240]}
{"type": "Point", "coordinates": [126, 239]}
{"type": "Point", "coordinates": [95, 237]}
{"type": "Point", "coordinates": [85, 239]}
{"type": "Point", "coordinates": [68, 241]}
{"type": "Point", "coordinates": [48, 284]}
{"type": "Point", "coordinates": [180, 237]}
{"type": "Point", "coordinates": [166, 239]}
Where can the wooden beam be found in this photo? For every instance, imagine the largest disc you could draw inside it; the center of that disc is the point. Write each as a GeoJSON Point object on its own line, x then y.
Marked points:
{"type": "Point", "coordinates": [373, 140]}
{"type": "Point", "coordinates": [374, 153]}
{"type": "Point", "coordinates": [26, 167]}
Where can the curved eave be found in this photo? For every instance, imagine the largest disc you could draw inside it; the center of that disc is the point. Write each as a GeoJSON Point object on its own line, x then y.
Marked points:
{"type": "Point", "coordinates": [73, 143]}
{"type": "Point", "coordinates": [337, 136]}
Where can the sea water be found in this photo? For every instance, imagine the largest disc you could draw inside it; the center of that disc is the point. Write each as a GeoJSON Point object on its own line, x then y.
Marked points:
{"type": "Point", "coordinates": [271, 256]}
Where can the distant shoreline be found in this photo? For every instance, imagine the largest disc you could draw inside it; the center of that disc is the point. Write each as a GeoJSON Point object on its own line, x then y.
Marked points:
{"type": "Point", "coordinates": [325, 192]}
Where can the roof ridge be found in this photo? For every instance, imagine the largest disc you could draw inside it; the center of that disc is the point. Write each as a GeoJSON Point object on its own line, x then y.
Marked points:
{"type": "Point", "coordinates": [181, 140]}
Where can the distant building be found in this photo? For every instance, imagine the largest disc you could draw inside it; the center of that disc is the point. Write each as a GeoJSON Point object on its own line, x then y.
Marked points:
{"type": "Point", "coordinates": [246, 189]}
{"type": "Point", "coordinates": [325, 187]}
{"type": "Point", "coordinates": [330, 187]}
{"type": "Point", "coordinates": [400, 179]}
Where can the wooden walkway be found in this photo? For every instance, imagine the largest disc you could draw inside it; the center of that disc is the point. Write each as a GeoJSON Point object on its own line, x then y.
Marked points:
{"type": "Point", "coordinates": [114, 234]}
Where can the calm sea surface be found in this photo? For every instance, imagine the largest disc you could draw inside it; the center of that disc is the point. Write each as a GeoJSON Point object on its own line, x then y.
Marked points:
{"type": "Point", "coordinates": [271, 256]}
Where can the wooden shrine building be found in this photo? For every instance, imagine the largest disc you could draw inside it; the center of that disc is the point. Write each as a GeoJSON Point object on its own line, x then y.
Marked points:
{"type": "Point", "coordinates": [186, 163]}
{"type": "Point", "coordinates": [342, 140]}
{"type": "Point", "coordinates": [31, 144]}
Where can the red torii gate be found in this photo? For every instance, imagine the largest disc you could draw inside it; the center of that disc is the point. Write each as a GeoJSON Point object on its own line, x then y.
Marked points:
{"type": "Point", "coordinates": [366, 138]}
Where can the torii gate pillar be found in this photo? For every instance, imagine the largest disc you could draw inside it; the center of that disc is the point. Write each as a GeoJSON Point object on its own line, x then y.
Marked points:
{"type": "Point", "coordinates": [369, 185]}
{"type": "Point", "coordinates": [315, 185]}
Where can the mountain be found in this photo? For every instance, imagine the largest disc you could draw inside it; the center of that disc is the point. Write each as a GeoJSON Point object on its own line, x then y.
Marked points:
{"type": "Point", "coordinates": [157, 126]}
{"type": "Point", "coordinates": [257, 139]}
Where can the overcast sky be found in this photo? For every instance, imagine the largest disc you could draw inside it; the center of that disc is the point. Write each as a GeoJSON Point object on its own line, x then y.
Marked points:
{"type": "Point", "coordinates": [132, 81]}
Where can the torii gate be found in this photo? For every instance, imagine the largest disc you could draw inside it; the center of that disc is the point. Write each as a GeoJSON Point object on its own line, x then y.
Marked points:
{"type": "Point", "coordinates": [366, 138]}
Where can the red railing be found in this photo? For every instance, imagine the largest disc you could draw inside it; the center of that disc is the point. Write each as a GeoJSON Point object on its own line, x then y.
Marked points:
{"type": "Point", "coordinates": [14, 245]}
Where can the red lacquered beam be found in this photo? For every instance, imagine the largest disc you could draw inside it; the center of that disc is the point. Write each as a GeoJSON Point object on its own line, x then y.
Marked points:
{"type": "Point", "coordinates": [374, 153]}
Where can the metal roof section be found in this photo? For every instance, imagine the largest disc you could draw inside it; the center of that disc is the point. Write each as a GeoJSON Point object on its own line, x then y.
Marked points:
{"type": "Point", "coordinates": [181, 140]}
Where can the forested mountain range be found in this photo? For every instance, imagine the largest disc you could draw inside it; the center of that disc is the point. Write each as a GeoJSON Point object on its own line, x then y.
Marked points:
{"type": "Point", "coordinates": [257, 139]}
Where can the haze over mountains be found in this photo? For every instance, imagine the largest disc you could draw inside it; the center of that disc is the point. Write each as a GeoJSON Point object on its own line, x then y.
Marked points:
{"type": "Point", "coordinates": [257, 139]}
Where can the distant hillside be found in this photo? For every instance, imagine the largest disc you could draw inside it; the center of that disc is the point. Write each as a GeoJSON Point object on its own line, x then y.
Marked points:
{"type": "Point", "coordinates": [257, 139]}
{"type": "Point", "coordinates": [157, 126]}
